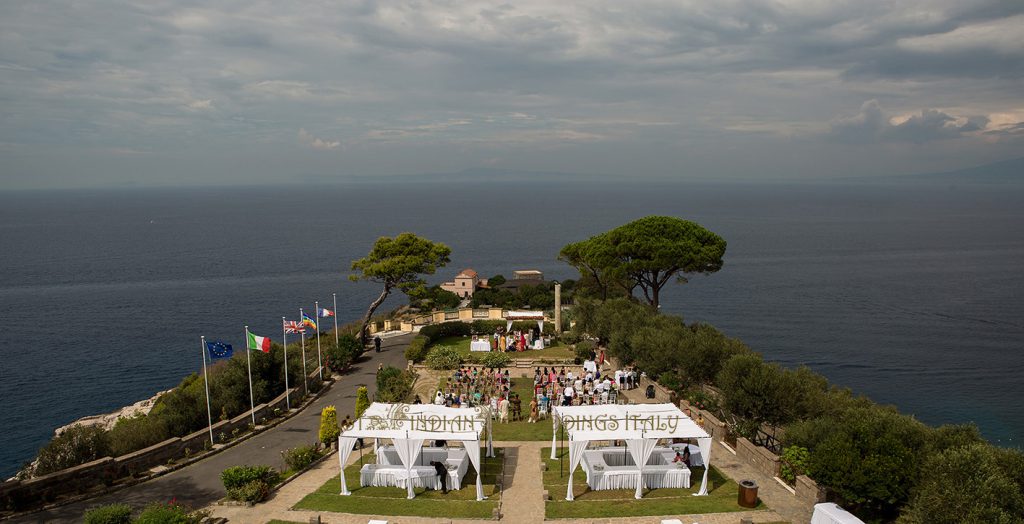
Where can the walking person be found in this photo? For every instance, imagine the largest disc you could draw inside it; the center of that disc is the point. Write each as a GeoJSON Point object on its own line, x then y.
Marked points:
{"type": "Point", "coordinates": [376, 344]}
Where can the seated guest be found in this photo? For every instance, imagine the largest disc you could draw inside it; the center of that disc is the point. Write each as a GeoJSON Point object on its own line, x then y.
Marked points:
{"type": "Point", "coordinates": [567, 395]}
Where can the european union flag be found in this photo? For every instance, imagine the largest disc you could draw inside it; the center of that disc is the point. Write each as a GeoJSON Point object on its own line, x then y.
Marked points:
{"type": "Point", "coordinates": [218, 349]}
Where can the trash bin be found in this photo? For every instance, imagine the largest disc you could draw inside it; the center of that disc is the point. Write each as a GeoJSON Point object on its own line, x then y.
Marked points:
{"type": "Point", "coordinates": [748, 494]}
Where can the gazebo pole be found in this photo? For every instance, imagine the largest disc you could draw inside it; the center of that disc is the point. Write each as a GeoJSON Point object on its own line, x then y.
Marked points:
{"type": "Point", "coordinates": [561, 443]}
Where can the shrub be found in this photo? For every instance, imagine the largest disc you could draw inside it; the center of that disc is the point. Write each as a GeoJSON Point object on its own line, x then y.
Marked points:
{"type": "Point", "coordinates": [394, 385]}
{"type": "Point", "coordinates": [329, 430]}
{"type": "Point", "coordinates": [362, 401]}
{"type": "Point", "coordinates": [794, 462]}
{"type": "Point", "coordinates": [584, 348]}
{"type": "Point", "coordinates": [110, 514]}
{"type": "Point", "coordinates": [135, 433]}
{"type": "Point", "coordinates": [299, 458]}
{"type": "Point", "coordinates": [254, 491]}
{"type": "Point", "coordinates": [486, 327]}
{"type": "Point", "coordinates": [417, 349]}
{"type": "Point", "coordinates": [238, 476]}
{"type": "Point", "coordinates": [170, 513]}
{"type": "Point", "coordinates": [436, 332]}
{"type": "Point", "coordinates": [495, 359]}
{"type": "Point", "coordinates": [340, 356]}
{"type": "Point", "coordinates": [443, 357]}
{"type": "Point", "coordinates": [76, 445]}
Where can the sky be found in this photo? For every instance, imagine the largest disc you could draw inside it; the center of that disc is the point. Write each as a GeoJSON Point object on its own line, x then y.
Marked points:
{"type": "Point", "coordinates": [164, 93]}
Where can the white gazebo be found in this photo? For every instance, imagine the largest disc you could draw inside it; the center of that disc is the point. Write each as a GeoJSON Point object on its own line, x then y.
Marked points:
{"type": "Point", "coordinates": [513, 316]}
{"type": "Point", "coordinates": [408, 425]}
{"type": "Point", "coordinates": [641, 426]}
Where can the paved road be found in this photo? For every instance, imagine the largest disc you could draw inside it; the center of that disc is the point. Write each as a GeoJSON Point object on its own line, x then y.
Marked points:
{"type": "Point", "coordinates": [198, 484]}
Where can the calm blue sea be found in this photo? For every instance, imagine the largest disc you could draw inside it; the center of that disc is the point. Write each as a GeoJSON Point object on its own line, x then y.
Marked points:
{"type": "Point", "coordinates": [913, 295]}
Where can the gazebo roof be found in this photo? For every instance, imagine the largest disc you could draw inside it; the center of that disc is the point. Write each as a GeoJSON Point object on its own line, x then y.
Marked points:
{"type": "Point", "coordinates": [623, 422]}
{"type": "Point", "coordinates": [420, 421]}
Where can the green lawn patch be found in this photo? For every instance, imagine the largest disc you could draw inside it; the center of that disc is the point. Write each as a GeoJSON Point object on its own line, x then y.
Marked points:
{"type": "Point", "coordinates": [461, 344]}
{"type": "Point", "coordinates": [371, 500]}
{"type": "Point", "coordinates": [721, 498]}
{"type": "Point", "coordinates": [523, 430]}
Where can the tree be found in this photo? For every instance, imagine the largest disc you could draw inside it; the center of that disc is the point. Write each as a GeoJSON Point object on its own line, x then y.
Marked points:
{"type": "Point", "coordinates": [647, 254]}
{"type": "Point", "coordinates": [870, 457]}
{"type": "Point", "coordinates": [397, 263]}
{"type": "Point", "coordinates": [983, 491]}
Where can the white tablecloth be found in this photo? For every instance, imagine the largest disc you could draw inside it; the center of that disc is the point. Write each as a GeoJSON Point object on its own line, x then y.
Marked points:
{"type": "Point", "coordinates": [695, 459]}
{"type": "Point", "coordinates": [829, 513]}
{"type": "Point", "coordinates": [480, 345]}
{"type": "Point", "coordinates": [382, 475]}
{"type": "Point", "coordinates": [601, 475]}
{"type": "Point", "coordinates": [388, 456]}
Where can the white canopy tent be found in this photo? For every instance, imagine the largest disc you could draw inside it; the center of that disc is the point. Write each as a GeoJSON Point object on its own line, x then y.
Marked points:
{"type": "Point", "coordinates": [408, 425]}
{"type": "Point", "coordinates": [639, 425]}
{"type": "Point", "coordinates": [513, 316]}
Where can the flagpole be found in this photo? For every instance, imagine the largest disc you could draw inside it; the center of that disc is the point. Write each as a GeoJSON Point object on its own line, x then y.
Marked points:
{"type": "Point", "coordinates": [252, 400]}
{"type": "Point", "coordinates": [206, 382]}
{"type": "Point", "coordinates": [336, 343]}
{"type": "Point", "coordinates": [284, 340]}
{"type": "Point", "coordinates": [302, 336]}
{"type": "Point", "coordinates": [316, 325]}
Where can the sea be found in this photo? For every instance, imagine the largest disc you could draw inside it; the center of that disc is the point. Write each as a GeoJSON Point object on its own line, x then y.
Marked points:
{"type": "Point", "coordinates": [909, 293]}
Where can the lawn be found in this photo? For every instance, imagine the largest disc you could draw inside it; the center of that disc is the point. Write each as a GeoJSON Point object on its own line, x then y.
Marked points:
{"type": "Point", "coordinates": [391, 501]}
{"type": "Point", "coordinates": [523, 430]}
{"type": "Point", "coordinates": [554, 352]}
{"type": "Point", "coordinates": [620, 503]}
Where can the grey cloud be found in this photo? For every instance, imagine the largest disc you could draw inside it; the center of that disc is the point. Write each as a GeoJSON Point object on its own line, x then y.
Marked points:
{"type": "Point", "coordinates": [598, 82]}
{"type": "Point", "coordinates": [871, 125]}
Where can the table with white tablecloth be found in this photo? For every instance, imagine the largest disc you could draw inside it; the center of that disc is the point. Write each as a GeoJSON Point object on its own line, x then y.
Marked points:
{"type": "Point", "coordinates": [695, 460]}
{"type": "Point", "coordinates": [388, 455]}
{"type": "Point", "coordinates": [610, 468]}
{"type": "Point", "coordinates": [425, 476]}
{"type": "Point", "coordinates": [829, 513]}
{"type": "Point", "coordinates": [480, 345]}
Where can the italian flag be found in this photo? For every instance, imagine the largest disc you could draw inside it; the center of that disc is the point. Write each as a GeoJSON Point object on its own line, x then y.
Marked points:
{"type": "Point", "coordinates": [260, 343]}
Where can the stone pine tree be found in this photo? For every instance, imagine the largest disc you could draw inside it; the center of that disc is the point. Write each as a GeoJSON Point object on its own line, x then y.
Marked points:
{"type": "Point", "coordinates": [329, 429]}
{"type": "Point", "coordinates": [647, 254]}
{"type": "Point", "coordinates": [398, 263]}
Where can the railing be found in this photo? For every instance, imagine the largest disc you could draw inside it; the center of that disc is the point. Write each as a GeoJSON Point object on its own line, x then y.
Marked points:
{"type": "Point", "coordinates": [769, 442]}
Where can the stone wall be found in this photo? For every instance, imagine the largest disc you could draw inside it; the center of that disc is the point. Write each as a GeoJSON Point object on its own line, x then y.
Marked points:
{"type": "Point", "coordinates": [808, 492]}
{"type": "Point", "coordinates": [93, 476]}
{"type": "Point", "coordinates": [765, 461]}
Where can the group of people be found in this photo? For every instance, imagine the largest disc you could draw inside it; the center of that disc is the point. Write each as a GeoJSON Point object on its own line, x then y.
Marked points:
{"type": "Point", "coordinates": [512, 342]}
{"type": "Point", "coordinates": [472, 386]}
{"type": "Point", "coordinates": [587, 386]}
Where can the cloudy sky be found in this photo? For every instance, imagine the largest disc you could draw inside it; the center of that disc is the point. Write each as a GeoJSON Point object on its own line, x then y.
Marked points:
{"type": "Point", "coordinates": [173, 92]}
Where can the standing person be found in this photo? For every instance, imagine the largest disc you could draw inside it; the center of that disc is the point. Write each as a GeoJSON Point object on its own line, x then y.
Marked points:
{"type": "Point", "coordinates": [503, 409]}
{"type": "Point", "coordinates": [533, 410]}
{"type": "Point", "coordinates": [376, 344]}
{"type": "Point", "coordinates": [567, 395]}
{"type": "Point", "coordinates": [442, 475]}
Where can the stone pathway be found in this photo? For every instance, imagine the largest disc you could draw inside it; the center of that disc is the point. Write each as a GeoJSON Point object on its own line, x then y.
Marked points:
{"type": "Point", "coordinates": [521, 500]}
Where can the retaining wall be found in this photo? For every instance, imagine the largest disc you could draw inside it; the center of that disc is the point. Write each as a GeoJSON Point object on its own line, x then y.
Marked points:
{"type": "Point", "coordinates": [81, 479]}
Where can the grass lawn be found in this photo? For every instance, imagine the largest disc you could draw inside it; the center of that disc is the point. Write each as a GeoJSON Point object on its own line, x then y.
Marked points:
{"type": "Point", "coordinates": [522, 430]}
{"type": "Point", "coordinates": [391, 501]}
{"type": "Point", "coordinates": [554, 352]}
{"type": "Point", "coordinates": [620, 503]}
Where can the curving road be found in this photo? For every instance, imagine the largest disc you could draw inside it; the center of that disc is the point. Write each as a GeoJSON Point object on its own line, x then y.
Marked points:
{"type": "Point", "coordinates": [198, 484]}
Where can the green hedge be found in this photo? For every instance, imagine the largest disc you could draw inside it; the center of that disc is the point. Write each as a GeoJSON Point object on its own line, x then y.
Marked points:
{"type": "Point", "coordinates": [443, 357]}
{"type": "Point", "coordinates": [112, 514]}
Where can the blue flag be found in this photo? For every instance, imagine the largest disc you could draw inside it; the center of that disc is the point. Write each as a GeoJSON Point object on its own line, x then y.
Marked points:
{"type": "Point", "coordinates": [218, 350]}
